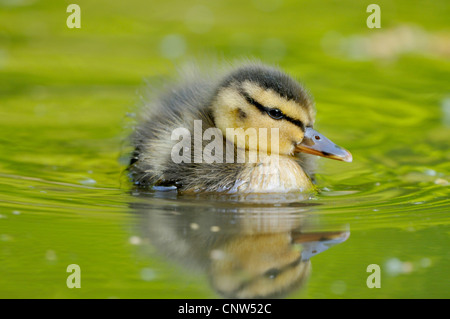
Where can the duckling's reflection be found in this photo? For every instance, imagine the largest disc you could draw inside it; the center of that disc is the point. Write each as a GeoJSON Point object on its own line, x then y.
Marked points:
{"type": "Point", "coordinates": [247, 250]}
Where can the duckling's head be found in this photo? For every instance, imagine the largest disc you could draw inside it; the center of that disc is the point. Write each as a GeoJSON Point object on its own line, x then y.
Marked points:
{"type": "Point", "coordinates": [256, 97]}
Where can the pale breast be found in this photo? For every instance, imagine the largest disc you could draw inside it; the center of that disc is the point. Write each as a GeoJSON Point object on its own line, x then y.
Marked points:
{"type": "Point", "coordinates": [273, 174]}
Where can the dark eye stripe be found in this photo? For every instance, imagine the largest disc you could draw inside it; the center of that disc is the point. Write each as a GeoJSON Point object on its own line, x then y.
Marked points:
{"type": "Point", "coordinates": [249, 99]}
{"type": "Point", "coordinates": [265, 109]}
{"type": "Point", "coordinates": [295, 122]}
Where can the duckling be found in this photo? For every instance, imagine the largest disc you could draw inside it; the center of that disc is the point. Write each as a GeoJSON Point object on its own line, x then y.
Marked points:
{"type": "Point", "coordinates": [251, 98]}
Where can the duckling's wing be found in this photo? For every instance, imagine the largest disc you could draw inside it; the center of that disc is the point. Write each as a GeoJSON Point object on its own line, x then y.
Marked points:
{"type": "Point", "coordinates": [178, 107]}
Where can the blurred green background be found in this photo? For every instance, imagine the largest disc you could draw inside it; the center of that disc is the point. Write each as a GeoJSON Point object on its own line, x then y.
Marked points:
{"type": "Point", "coordinates": [68, 98]}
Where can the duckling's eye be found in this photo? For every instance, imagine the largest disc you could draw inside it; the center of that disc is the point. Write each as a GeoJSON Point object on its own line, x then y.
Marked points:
{"type": "Point", "coordinates": [276, 114]}
{"type": "Point", "coordinates": [272, 273]}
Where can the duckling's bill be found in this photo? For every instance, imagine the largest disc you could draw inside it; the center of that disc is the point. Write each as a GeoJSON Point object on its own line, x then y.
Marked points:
{"type": "Point", "coordinates": [317, 144]}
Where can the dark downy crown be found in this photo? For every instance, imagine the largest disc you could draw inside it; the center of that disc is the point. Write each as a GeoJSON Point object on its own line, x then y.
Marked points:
{"type": "Point", "coordinates": [270, 79]}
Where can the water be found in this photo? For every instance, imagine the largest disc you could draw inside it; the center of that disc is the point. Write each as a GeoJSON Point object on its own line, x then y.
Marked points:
{"type": "Point", "coordinates": [66, 107]}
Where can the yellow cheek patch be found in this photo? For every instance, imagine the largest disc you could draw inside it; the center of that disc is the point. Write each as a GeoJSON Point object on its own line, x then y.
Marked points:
{"type": "Point", "coordinates": [269, 98]}
{"type": "Point", "coordinates": [228, 102]}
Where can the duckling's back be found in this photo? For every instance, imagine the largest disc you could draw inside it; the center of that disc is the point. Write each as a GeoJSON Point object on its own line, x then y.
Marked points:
{"type": "Point", "coordinates": [178, 106]}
